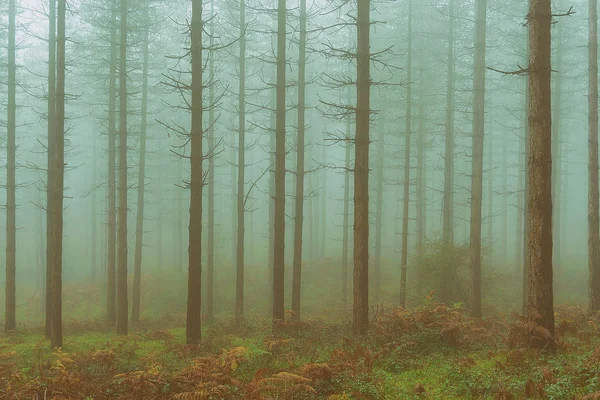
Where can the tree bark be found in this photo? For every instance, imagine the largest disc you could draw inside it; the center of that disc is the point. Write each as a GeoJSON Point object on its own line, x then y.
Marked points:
{"type": "Point", "coordinates": [407, 133]}
{"type": "Point", "coordinates": [210, 243]}
{"type": "Point", "coordinates": [593, 204]}
{"type": "Point", "coordinates": [299, 203]}
{"type": "Point", "coordinates": [111, 286]}
{"type": "Point", "coordinates": [122, 307]}
{"type": "Point", "coordinates": [11, 206]}
{"type": "Point", "coordinates": [448, 197]}
{"type": "Point", "coordinates": [51, 127]}
{"type": "Point", "coordinates": [477, 158]}
{"type": "Point", "coordinates": [194, 302]}
{"type": "Point", "coordinates": [360, 321]}
{"type": "Point", "coordinates": [539, 163]}
{"type": "Point", "coordinates": [241, 209]}
{"type": "Point", "coordinates": [57, 185]}
{"type": "Point", "coordinates": [420, 192]}
{"type": "Point", "coordinates": [139, 228]}
{"type": "Point", "coordinates": [279, 228]}
{"type": "Point", "coordinates": [379, 176]}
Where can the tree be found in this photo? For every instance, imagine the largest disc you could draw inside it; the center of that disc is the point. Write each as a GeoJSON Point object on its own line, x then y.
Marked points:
{"type": "Point", "coordinates": [194, 301]}
{"type": "Point", "coordinates": [11, 206]}
{"type": "Point", "coordinates": [56, 171]}
{"type": "Point", "coordinates": [448, 200]}
{"type": "Point", "coordinates": [111, 287]}
{"type": "Point", "coordinates": [210, 243]}
{"type": "Point", "coordinates": [300, 149]}
{"type": "Point", "coordinates": [477, 158]}
{"type": "Point", "coordinates": [539, 164]}
{"type": "Point", "coordinates": [360, 322]}
{"type": "Point", "coordinates": [406, 183]}
{"type": "Point", "coordinates": [241, 204]}
{"type": "Point", "coordinates": [139, 228]}
{"type": "Point", "coordinates": [51, 127]}
{"type": "Point", "coordinates": [279, 212]}
{"type": "Point", "coordinates": [593, 203]}
{"type": "Point", "coordinates": [122, 307]}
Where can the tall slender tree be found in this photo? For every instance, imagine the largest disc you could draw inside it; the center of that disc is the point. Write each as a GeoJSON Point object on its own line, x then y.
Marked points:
{"type": "Point", "coordinates": [539, 163]}
{"type": "Point", "coordinates": [279, 212]}
{"type": "Point", "coordinates": [477, 158]}
{"type": "Point", "coordinates": [360, 321]}
{"type": "Point", "coordinates": [56, 184]}
{"type": "Point", "coordinates": [210, 242]}
{"type": "Point", "coordinates": [122, 307]}
{"type": "Point", "coordinates": [11, 206]}
{"type": "Point", "coordinates": [448, 198]}
{"type": "Point", "coordinates": [194, 301]}
{"type": "Point", "coordinates": [241, 206]}
{"type": "Point", "coordinates": [379, 176]}
{"type": "Point", "coordinates": [300, 149]}
{"type": "Point", "coordinates": [111, 284]}
{"type": "Point", "coordinates": [139, 227]}
{"type": "Point", "coordinates": [51, 127]}
{"type": "Point", "coordinates": [406, 183]}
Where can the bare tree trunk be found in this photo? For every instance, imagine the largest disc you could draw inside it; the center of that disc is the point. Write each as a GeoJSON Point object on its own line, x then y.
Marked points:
{"type": "Point", "coordinates": [11, 206]}
{"type": "Point", "coordinates": [360, 321]}
{"type": "Point", "coordinates": [57, 185]}
{"type": "Point", "coordinates": [210, 250]}
{"type": "Point", "coordinates": [525, 254]}
{"type": "Point", "coordinates": [540, 296]}
{"type": "Point", "coordinates": [477, 159]}
{"type": "Point", "coordinates": [448, 198]}
{"type": "Point", "coordinates": [279, 232]}
{"type": "Point", "coordinates": [420, 195]}
{"type": "Point", "coordinates": [179, 246]}
{"type": "Point", "coordinates": [122, 307]}
{"type": "Point", "coordinates": [239, 292]}
{"type": "Point", "coordinates": [346, 223]}
{"type": "Point", "coordinates": [490, 196]}
{"type": "Point", "coordinates": [406, 197]}
{"type": "Point", "coordinates": [111, 286]}
{"type": "Point", "coordinates": [519, 234]}
{"type": "Point", "coordinates": [299, 214]}
{"type": "Point", "coordinates": [51, 127]}
{"type": "Point", "coordinates": [593, 224]}
{"type": "Point", "coordinates": [505, 196]}
{"type": "Point", "coordinates": [323, 209]}
{"type": "Point", "coordinates": [379, 176]}
{"type": "Point", "coordinates": [194, 302]}
{"type": "Point", "coordinates": [94, 225]}
{"type": "Point", "coordinates": [139, 228]}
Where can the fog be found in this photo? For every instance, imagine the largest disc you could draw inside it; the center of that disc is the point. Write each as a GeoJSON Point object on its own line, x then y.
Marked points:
{"type": "Point", "coordinates": [330, 76]}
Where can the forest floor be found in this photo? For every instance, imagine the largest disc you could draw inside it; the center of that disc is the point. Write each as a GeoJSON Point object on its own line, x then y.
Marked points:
{"type": "Point", "coordinates": [426, 352]}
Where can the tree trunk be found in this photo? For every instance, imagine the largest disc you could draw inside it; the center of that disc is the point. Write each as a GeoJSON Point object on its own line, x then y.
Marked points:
{"type": "Point", "coordinates": [194, 302]}
{"type": "Point", "coordinates": [11, 206]}
{"type": "Point", "coordinates": [279, 232]}
{"type": "Point", "coordinates": [51, 127]}
{"type": "Point", "coordinates": [299, 214]}
{"type": "Point", "coordinates": [122, 308]}
{"type": "Point", "coordinates": [490, 196]}
{"type": "Point", "coordinates": [379, 204]}
{"type": "Point", "coordinates": [241, 209]}
{"type": "Point", "coordinates": [448, 198]}
{"type": "Point", "coordinates": [420, 193]}
{"type": "Point", "coordinates": [139, 228]}
{"type": "Point", "coordinates": [179, 245]}
{"type": "Point", "coordinates": [111, 286]}
{"type": "Point", "coordinates": [477, 158]}
{"type": "Point", "coordinates": [406, 196]}
{"type": "Point", "coordinates": [210, 250]}
{"type": "Point", "coordinates": [539, 163]}
{"type": "Point", "coordinates": [360, 321]}
{"type": "Point", "coordinates": [346, 223]}
{"type": "Point", "coordinates": [57, 185]}
{"type": "Point", "coordinates": [505, 213]}
{"type": "Point", "coordinates": [593, 224]}
{"type": "Point", "coordinates": [94, 225]}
